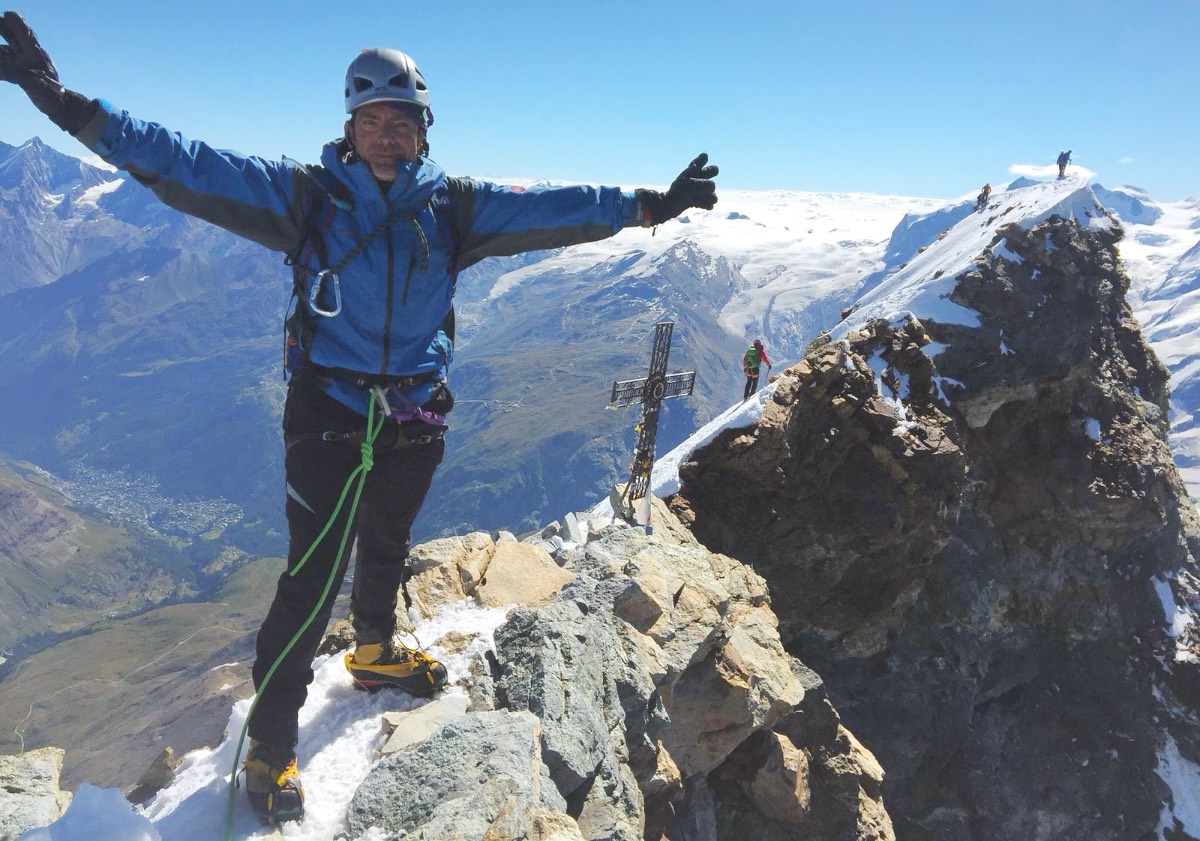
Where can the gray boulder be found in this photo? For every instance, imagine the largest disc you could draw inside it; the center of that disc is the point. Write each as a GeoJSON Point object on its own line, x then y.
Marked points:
{"type": "Point", "coordinates": [481, 774]}
{"type": "Point", "coordinates": [29, 792]}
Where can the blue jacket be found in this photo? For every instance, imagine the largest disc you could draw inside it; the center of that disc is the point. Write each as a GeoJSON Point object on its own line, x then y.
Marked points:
{"type": "Point", "coordinates": [396, 294]}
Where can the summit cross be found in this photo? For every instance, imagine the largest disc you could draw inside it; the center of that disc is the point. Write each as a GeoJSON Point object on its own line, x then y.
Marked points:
{"type": "Point", "coordinates": [649, 391]}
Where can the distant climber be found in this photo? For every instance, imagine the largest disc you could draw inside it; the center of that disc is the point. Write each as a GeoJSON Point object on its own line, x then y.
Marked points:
{"type": "Point", "coordinates": [752, 361]}
{"type": "Point", "coordinates": [984, 195]}
{"type": "Point", "coordinates": [1064, 158]}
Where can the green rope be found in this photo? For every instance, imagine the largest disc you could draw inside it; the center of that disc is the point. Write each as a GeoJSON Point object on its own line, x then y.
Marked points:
{"type": "Point", "coordinates": [359, 473]}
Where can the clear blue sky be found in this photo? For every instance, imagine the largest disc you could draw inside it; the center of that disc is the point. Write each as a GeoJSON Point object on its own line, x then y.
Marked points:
{"type": "Point", "coordinates": [916, 98]}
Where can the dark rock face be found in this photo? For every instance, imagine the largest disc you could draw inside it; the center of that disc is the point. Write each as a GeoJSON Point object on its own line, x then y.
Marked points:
{"type": "Point", "coordinates": [974, 546]}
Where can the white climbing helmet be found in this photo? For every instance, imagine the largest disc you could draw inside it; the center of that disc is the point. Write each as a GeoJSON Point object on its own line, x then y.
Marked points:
{"type": "Point", "coordinates": [383, 75]}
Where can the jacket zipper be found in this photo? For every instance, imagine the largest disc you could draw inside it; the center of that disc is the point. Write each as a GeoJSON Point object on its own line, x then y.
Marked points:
{"type": "Point", "coordinates": [391, 289]}
{"type": "Point", "coordinates": [412, 264]}
{"type": "Point", "coordinates": [391, 294]}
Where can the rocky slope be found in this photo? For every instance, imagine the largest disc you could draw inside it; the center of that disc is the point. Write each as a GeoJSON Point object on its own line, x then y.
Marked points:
{"type": "Point", "coordinates": [637, 689]}
{"type": "Point", "coordinates": [648, 696]}
{"type": "Point", "coordinates": [973, 530]}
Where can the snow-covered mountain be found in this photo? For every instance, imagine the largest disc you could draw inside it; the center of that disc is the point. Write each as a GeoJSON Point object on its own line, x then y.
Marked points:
{"type": "Point", "coordinates": [1162, 255]}
{"type": "Point", "coordinates": [927, 251]}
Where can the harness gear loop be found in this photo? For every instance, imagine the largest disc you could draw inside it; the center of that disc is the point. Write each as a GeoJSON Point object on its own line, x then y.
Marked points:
{"type": "Point", "coordinates": [381, 394]}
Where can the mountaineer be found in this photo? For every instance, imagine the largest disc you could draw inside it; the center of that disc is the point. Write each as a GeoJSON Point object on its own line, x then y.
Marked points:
{"type": "Point", "coordinates": [1064, 158]}
{"type": "Point", "coordinates": [984, 194]}
{"type": "Point", "coordinates": [752, 361]}
{"type": "Point", "coordinates": [376, 235]}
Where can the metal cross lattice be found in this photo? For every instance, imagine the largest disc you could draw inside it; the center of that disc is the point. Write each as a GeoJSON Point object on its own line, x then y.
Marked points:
{"type": "Point", "coordinates": [649, 391]}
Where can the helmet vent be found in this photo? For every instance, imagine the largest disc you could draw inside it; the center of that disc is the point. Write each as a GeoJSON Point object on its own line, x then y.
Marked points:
{"type": "Point", "coordinates": [384, 75]}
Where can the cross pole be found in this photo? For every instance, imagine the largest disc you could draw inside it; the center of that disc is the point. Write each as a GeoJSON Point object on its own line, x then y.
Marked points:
{"type": "Point", "coordinates": [649, 391]}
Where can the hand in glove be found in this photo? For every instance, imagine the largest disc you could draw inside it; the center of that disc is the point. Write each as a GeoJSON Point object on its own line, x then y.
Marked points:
{"type": "Point", "coordinates": [693, 188]}
{"type": "Point", "coordinates": [24, 63]}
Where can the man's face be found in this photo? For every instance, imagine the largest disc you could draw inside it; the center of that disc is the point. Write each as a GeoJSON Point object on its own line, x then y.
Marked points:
{"type": "Point", "coordinates": [385, 133]}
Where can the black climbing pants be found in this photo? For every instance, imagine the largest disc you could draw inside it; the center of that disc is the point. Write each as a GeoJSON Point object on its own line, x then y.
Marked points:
{"type": "Point", "coordinates": [316, 472]}
{"type": "Point", "coordinates": [751, 385]}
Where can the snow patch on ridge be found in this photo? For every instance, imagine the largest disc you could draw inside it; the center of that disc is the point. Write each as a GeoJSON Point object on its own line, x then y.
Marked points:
{"type": "Point", "coordinates": [921, 288]}
{"type": "Point", "coordinates": [92, 194]}
{"type": "Point", "coordinates": [1183, 778]}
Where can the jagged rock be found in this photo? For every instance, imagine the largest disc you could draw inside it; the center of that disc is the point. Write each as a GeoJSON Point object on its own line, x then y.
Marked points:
{"type": "Point", "coordinates": [453, 642]}
{"type": "Point", "coordinates": [479, 685]}
{"type": "Point", "coordinates": [779, 787]}
{"type": "Point", "coordinates": [657, 663]}
{"type": "Point", "coordinates": [509, 572]}
{"type": "Point", "coordinates": [480, 776]}
{"type": "Point", "coordinates": [564, 662]}
{"type": "Point", "coordinates": [29, 792]}
{"type": "Point", "coordinates": [447, 570]}
{"type": "Point", "coordinates": [553, 546]}
{"type": "Point", "coordinates": [975, 549]}
{"type": "Point", "coordinates": [408, 728]}
{"type": "Point", "coordinates": [158, 776]}
{"type": "Point", "coordinates": [553, 826]}
{"type": "Point", "coordinates": [520, 573]}
{"type": "Point", "coordinates": [740, 686]}
{"type": "Point", "coordinates": [808, 774]}
{"type": "Point", "coordinates": [338, 638]}
{"type": "Point", "coordinates": [575, 530]}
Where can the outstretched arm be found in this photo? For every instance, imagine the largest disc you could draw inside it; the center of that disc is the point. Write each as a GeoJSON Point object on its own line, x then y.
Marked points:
{"type": "Point", "coordinates": [254, 198]}
{"type": "Point", "coordinates": [508, 220]}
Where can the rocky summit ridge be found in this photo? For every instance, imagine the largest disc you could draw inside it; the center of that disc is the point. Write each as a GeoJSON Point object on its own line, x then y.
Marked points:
{"type": "Point", "coordinates": [972, 528]}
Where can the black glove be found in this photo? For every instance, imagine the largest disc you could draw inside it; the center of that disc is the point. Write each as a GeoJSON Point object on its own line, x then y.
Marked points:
{"type": "Point", "coordinates": [24, 63]}
{"type": "Point", "coordinates": [693, 188]}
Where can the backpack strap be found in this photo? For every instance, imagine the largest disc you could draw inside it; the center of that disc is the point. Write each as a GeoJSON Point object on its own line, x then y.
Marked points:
{"type": "Point", "coordinates": [298, 327]}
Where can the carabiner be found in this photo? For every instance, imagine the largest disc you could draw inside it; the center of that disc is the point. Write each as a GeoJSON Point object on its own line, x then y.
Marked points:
{"type": "Point", "coordinates": [315, 292]}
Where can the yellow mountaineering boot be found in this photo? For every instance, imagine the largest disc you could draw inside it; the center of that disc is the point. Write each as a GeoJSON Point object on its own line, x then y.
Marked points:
{"type": "Point", "coordinates": [272, 782]}
{"type": "Point", "coordinates": [390, 663]}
